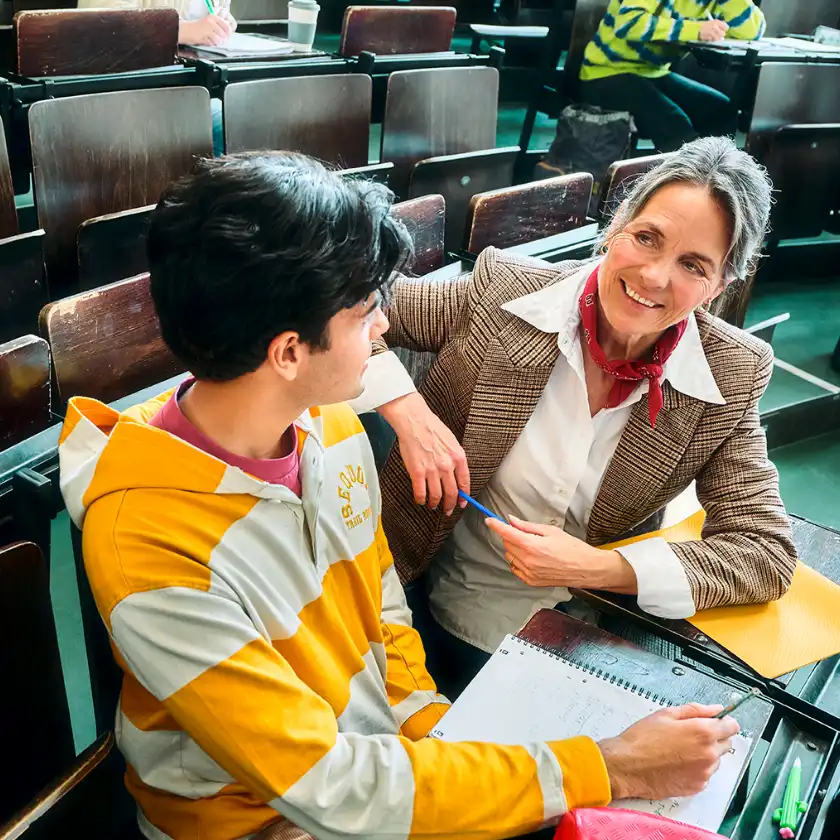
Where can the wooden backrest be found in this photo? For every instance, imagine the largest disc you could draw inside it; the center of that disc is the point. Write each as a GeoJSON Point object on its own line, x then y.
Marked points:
{"type": "Point", "coordinates": [34, 716]}
{"type": "Point", "coordinates": [620, 177]}
{"type": "Point", "coordinates": [379, 172]}
{"type": "Point", "coordinates": [803, 162]}
{"type": "Point", "coordinates": [327, 117]}
{"type": "Point", "coordinates": [23, 286]}
{"type": "Point", "coordinates": [588, 16]}
{"type": "Point", "coordinates": [250, 10]}
{"type": "Point", "coordinates": [106, 343]}
{"type": "Point", "coordinates": [441, 111]}
{"type": "Point", "coordinates": [24, 389]}
{"type": "Point", "coordinates": [425, 219]}
{"type": "Point", "coordinates": [8, 213]}
{"type": "Point", "coordinates": [458, 178]}
{"type": "Point", "coordinates": [799, 16]}
{"type": "Point", "coordinates": [792, 94]}
{"type": "Point", "coordinates": [107, 152]}
{"type": "Point", "coordinates": [113, 247]}
{"type": "Point", "coordinates": [394, 30]}
{"type": "Point", "coordinates": [508, 217]}
{"type": "Point", "coordinates": [80, 41]}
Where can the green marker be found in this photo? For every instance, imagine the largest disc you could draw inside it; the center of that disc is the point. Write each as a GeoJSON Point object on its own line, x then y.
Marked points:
{"type": "Point", "coordinates": [792, 806]}
{"type": "Point", "coordinates": [210, 9]}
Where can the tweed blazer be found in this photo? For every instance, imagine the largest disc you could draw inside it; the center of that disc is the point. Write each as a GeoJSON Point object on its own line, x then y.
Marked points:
{"type": "Point", "coordinates": [488, 375]}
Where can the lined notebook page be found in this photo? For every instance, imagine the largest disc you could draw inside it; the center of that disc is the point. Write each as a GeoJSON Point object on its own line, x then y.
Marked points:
{"type": "Point", "coordinates": [238, 42]}
{"type": "Point", "coordinates": [525, 694]}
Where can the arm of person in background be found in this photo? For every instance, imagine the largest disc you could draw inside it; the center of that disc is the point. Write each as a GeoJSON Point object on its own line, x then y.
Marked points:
{"type": "Point", "coordinates": [746, 556]}
{"type": "Point", "coordinates": [422, 315]}
{"type": "Point", "coordinates": [638, 21]}
{"type": "Point", "coordinates": [209, 31]}
{"type": "Point", "coordinates": [745, 20]}
{"type": "Point", "coordinates": [412, 694]}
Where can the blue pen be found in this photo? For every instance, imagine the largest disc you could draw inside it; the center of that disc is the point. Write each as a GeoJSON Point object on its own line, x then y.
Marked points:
{"type": "Point", "coordinates": [480, 506]}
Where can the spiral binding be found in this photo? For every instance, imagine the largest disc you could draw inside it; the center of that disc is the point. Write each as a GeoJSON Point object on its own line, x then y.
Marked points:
{"type": "Point", "coordinates": [601, 674]}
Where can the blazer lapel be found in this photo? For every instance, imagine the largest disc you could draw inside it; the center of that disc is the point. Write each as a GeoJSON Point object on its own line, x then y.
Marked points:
{"type": "Point", "coordinates": [512, 379]}
{"type": "Point", "coordinates": [642, 464]}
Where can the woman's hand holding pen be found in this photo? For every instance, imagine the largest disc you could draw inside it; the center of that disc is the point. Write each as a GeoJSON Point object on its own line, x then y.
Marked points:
{"type": "Point", "coordinates": [210, 31]}
{"type": "Point", "coordinates": [543, 555]}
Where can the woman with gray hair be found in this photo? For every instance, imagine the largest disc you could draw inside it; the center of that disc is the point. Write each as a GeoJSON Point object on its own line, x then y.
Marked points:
{"type": "Point", "coordinates": [576, 401]}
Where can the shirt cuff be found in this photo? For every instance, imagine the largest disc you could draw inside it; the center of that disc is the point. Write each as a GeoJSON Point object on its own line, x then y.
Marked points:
{"type": "Point", "coordinates": [664, 589]}
{"type": "Point", "coordinates": [385, 380]}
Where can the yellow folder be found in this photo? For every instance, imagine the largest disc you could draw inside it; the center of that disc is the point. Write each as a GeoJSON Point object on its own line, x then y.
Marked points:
{"type": "Point", "coordinates": [802, 627]}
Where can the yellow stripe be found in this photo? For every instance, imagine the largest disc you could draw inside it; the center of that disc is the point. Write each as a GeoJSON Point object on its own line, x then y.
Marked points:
{"type": "Point", "coordinates": [586, 783]}
{"type": "Point", "coordinates": [340, 422]}
{"type": "Point", "coordinates": [253, 716]}
{"type": "Point", "coordinates": [92, 410]}
{"type": "Point", "coordinates": [143, 709]}
{"type": "Point", "coordinates": [233, 812]}
{"type": "Point", "coordinates": [688, 530]}
{"type": "Point", "coordinates": [420, 725]}
{"type": "Point", "coordinates": [406, 663]}
{"type": "Point", "coordinates": [333, 637]}
{"type": "Point", "coordinates": [444, 790]}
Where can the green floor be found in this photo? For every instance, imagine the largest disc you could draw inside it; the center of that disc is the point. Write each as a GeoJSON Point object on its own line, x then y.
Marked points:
{"type": "Point", "coordinates": [808, 471]}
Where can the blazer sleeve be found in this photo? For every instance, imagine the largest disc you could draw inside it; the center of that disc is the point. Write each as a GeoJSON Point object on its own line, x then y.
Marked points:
{"type": "Point", "coordinates": [422, 313]}
{"type": "Point", "coordinates": [747, 554]}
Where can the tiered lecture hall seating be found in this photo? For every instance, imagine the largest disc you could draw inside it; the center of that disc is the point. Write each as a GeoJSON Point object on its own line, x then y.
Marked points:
{"type": "Point", "coordinates": [100, 163]}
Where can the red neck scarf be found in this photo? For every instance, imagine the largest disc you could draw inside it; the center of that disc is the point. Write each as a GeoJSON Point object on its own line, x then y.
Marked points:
{"type": "Point", "coordinates": [627, 373]}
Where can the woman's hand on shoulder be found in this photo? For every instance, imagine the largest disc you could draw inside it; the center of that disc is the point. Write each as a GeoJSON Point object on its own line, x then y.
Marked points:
{"type": "Point", "coordinates": [210, 31]}
{"type": "Point", "coordinates": [433, 457]}
{"type": "Point", "coordinates": [544, 555]}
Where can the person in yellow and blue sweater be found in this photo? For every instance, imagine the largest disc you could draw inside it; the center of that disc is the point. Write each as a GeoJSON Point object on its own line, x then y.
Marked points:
{"type": "Point", "coordinates": [626, 65]}
{"type": "Point", "coordinates": [273, 683]}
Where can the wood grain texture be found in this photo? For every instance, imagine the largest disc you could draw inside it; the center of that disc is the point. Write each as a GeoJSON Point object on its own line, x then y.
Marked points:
{"type": "Point", "coordinates": [620, 177]}
{"type": "Point", "coordinates": [442, 111]}
{"type": "Point", "coordinates": [106, 343]}
{"type": "Point", "coordinates": [327, 117]}
{"type": "Point", "coordinates": [425, 220]}
{"type": "Point", "coordinates": [24, 389]}
{"type": "Point", "coordinates": [8, 213]}
{"type": "Point", "coordinates": [108, 152]}
{"type": "Point", "coordinates": [37, 736]}
{"type": "Point", "coordinates": [113, 247]}
{"type": "Point", "coordinates": [791, 94]}
{"type": "Point", "coordinates": [89, 42]}
{"type": "Point", "coordinates": [514, 215]}
{"type": "Point", "coordinates": [23, 286]}
{"type": "Point", "coordinates": [458, 178]}
{"type": "Point", "coordinates": [396, 30]}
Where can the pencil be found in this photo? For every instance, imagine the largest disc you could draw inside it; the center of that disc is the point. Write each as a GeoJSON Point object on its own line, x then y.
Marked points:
{"type": "Point", "coordinates": [753, 692]}
{"type": "Point", "coordinates": [210, 9]}
{"type": "Point", "coordinates": [480, 506]}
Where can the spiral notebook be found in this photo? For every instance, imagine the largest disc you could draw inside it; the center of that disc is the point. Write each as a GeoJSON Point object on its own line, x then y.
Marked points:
{"type": "Point", "coordinates": [526, 693]}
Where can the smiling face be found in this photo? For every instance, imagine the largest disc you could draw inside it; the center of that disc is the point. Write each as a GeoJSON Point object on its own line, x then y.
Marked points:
{"type": "Point", "coordinates": [664, 263]}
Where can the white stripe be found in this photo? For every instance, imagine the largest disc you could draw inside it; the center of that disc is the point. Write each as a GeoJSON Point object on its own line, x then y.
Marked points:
{"type": "Point", "coordinates": [367, 710]}
{"type": "Point", "coordinates": [170, 761]}
{"type": "Point", "coordinates": [77, 458]}
{"type": "Point", "coordinates": [385, 379]}
{"type": "Point", "coordinates": [302, 15]}
{"type": "Point", "coordinates": [168, 637]}
{"type": "Point", "coordinates": [808, 377]}
{"type": "Point", "coordinates": [394, 607]}
{"type": "Point", "coordinates": [363, 787]}
{"type": "Point", "coordinates": [550, 777]}
{"type": "Point", "coordinates": [415, 702]}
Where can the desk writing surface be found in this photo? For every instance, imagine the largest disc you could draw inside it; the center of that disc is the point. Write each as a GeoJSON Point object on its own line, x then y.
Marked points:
{"type": "Point", "coordinates": [193, 54]}
{"type": "Point", "coordinates": [818, 547]}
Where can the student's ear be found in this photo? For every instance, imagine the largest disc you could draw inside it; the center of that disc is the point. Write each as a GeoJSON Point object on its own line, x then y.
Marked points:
{"type": "Point", "coordinates": [286, 353]}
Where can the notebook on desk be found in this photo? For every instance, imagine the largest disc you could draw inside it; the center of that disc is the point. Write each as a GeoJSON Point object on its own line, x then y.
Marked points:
{"type": "Point", "coordinates": [239, 44]}
{"type": "Point", "coordinates": [528, 693]}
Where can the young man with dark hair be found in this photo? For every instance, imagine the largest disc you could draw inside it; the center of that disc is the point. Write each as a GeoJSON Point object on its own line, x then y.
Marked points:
{"type": "Point", "coordinates": [232, 538]}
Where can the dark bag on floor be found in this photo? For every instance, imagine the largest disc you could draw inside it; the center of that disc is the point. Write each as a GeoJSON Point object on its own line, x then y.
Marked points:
{"type": "Point", "coordinates": [588, 139]}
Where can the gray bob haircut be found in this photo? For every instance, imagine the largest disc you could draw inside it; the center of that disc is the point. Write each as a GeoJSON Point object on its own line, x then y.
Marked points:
{"type": "Point", "coordinates": [738, 183]}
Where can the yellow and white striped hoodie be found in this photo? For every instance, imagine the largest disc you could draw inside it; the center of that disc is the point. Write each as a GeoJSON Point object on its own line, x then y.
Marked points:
{"type": "Point", "coordinates": [270, 665]}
